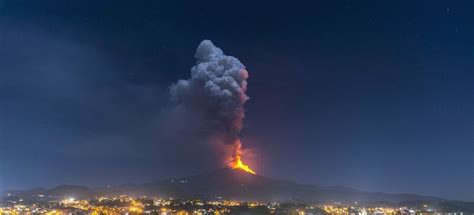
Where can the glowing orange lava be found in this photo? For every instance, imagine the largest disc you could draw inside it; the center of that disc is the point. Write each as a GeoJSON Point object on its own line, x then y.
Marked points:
{"type": "Point", "coordinates": [236, 160]}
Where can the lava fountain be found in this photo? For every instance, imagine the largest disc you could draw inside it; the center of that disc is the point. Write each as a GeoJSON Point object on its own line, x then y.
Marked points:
{"type": "Point", "coordinates": [236, 159]}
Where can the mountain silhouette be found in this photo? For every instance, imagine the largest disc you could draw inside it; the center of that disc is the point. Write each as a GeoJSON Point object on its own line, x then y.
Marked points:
{"type": "Point", "coordinates": [239, 185]}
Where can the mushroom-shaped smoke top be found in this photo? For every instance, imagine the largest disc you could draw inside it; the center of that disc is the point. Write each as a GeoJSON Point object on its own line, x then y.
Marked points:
{"type": "Point", "coordinates": [215, 93]}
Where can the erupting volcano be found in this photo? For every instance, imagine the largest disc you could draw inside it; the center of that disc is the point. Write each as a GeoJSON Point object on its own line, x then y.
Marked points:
{"type": "Point", "coordinates": [214, 98]}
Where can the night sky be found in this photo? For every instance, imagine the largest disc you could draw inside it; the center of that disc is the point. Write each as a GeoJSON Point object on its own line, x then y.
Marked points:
{"type": "Point", "coordinates": [376, 95]}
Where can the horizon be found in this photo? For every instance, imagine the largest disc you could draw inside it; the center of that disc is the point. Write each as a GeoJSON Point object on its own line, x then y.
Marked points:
{"type": "Point", "coordinates": [93, 188]}
{"type": "Point", "coordinates": [376, 96]}
{"type": "Point", "coordinates": [220, 171]}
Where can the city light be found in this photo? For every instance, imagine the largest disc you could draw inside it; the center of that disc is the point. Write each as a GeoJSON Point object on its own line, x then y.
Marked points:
{"type": "Point", "coordinates": [146, 205]}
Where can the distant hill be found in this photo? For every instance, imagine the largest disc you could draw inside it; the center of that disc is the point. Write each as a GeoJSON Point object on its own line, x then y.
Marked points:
{"type": "Point", "coordinates": [71, 191]}
{"type": "Point", "coordinates": [61, 191]}
{"type": "Point", "coordinates": [240, 185]}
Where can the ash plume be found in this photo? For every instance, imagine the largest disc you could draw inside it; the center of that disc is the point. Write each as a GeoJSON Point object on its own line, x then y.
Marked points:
{"type": "Point", "coordinates": [212, 100]}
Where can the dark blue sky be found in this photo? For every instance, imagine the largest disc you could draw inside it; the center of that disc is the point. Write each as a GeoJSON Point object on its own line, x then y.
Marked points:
{"type": "Point", "coordinates": [377, 95]}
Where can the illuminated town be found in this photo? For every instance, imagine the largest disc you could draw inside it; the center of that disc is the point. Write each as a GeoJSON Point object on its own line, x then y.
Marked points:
{"type": "Point", "coordinates": [146, 205]}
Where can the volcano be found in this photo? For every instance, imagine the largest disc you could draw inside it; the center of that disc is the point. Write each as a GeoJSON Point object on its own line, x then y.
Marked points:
{"type": "Point", "coordinates": [237, 184]}
{"type": "Point", "coordinates": [224, 183]}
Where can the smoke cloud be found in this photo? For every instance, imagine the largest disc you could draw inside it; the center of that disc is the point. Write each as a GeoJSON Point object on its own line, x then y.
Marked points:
{"type": "Point", "coordinates": [212, 100]}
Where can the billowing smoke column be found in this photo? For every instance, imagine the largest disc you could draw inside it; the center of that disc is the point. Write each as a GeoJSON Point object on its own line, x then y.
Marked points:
{"type": "Point", "coordinates": [216, 94]}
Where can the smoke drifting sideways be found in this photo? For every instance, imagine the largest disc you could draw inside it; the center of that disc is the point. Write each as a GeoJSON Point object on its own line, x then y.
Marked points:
{"type": "Point", "coordinates": [211, 102]}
